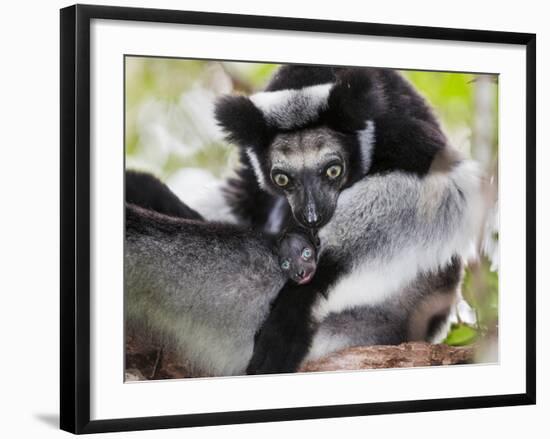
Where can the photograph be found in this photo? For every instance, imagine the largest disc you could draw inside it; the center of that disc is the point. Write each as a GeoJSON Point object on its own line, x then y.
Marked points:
{"type": "Point", "coordinates": [268, 220]}
{"type": "Point", "coordinates": [304, 218]}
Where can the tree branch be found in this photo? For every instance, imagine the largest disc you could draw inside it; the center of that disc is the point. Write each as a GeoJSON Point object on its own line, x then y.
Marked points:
{"type": "Point", "coordinates": [412, 354]}
{"type": "Point", "coordinates": [142, 363]}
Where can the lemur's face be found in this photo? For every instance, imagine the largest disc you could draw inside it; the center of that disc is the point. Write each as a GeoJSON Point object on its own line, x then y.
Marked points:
{"type": "Point", "coordinates": [297, 258]}
{"type": "Point", "coordinates": [309, 167]}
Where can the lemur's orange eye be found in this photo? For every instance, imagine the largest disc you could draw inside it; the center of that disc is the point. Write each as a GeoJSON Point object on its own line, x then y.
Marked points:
{"type": "Point", "coordinates": [281, 179]}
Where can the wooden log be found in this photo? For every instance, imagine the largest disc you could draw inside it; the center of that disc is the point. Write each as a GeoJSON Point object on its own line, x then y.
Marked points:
{"type": "Point", "coordinates": [413, 354]}
{"type": "Point", "coordinates": [140, 362]}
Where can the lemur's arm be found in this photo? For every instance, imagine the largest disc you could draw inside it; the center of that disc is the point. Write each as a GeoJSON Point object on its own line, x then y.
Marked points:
{"type": "Point", "coordinates": [285, 337]}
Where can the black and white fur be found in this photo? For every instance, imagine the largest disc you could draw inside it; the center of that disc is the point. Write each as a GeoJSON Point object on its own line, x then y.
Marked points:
{"type": "Point", "coordinates": [394, 230]}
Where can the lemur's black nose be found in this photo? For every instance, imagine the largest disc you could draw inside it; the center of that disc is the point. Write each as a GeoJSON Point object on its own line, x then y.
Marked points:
{"type": "Point", "coordinates": [312, 219]}
{"type": "Point", "coordinates": [302, 273]}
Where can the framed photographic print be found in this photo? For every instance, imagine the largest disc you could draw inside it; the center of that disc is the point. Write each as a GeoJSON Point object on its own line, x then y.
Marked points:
{"type": "Point", "coordinates": [268, 218]}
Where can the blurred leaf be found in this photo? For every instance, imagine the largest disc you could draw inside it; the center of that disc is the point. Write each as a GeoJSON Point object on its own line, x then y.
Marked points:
{"type": "Point", "coordinates": [450, 93]}
{"type": "Point", "coordinates": [213, 157]}
{"type": "Point", "coordinates": [480, 290]}
{"type": "Point", "coordinates": [461, 335]}
{"type": "Point", "coordinates": [262, 74]}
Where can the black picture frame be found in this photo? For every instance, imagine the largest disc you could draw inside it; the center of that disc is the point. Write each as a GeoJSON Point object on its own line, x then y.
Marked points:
{"type": "Point", "coordinates": [75, 217]}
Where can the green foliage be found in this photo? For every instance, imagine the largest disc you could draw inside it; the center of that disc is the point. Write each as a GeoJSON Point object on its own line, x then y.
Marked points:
{"type": "Point", "coordinates": [213, 156]}
{"type": "Point", "coordinates": [260, 74]}
{"type": "Point", "coordinates": [450, 93]}
{"type": "Point", "coordinates": [480, 290]}
{"type": "Point", "coordinates": [461, 334]}
{"type": "Point", "coordinates": [163, 78]}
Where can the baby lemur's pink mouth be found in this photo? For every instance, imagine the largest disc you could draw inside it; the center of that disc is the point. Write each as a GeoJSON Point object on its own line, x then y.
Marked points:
{"type": "Point", "coordinates": [304, 280]}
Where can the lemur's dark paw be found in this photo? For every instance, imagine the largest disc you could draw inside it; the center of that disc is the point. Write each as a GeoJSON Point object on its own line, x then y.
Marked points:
{"type": "Point", "coordinates": [266, 365]}
{"type": "Point", "coordinates": [271, 353]}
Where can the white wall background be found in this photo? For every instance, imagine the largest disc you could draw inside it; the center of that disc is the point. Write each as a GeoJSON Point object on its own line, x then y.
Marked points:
{"type": "Point", "coordinates": [29, 219]}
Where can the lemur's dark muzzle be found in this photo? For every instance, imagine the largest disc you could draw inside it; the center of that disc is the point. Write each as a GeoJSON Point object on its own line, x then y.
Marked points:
{"type": "Point", "coordinates": [312, 218]}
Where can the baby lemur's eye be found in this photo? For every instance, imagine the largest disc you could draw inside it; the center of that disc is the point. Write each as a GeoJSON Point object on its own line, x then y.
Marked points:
{"type": "Point", "coordinates": [285, 265]}
{"type": "Point", "coordinates": [306, 253]}
{"type": "Point", "coordinates": [281, 179]}
{"type": "Point", "coordinates": [334, 171]}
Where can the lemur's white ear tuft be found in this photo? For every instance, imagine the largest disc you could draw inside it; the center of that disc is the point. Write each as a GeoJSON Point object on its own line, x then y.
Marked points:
{"type": "Point", "coordinates": [256, 167]}
{"type": "Point", "coordinates": [292, 108]}
{"type": "Point", "coordinates": [367, 139]}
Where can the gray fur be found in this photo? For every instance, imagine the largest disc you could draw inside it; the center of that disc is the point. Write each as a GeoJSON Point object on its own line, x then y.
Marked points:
{"type": "Point", "coordinates": [383, 215]}
{"type": "Point", "coordinates": [392, 227]}
{"type": "Point", "coordinates": [367, 139]}
{"type": "Point", "coordinates": [206, 289]}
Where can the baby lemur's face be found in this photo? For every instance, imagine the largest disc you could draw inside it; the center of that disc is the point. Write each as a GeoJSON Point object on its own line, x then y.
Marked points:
{"type": "Point", "coordinates": [297, 257]}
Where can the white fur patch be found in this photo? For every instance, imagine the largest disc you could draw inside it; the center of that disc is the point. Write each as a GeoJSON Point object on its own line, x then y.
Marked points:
{"type": "Point", "coordinates": [255, 162]}
{"type": "Point", "coordinates": [323, 344]}
{"type": "Point", "coordinates": [374, 281]}
{"type": "Point", "coordinates": [203, 192]}
{"type": "Point", "coordinates": [366, 144]}
{"type": "Point", "coordinates": [287, 109]}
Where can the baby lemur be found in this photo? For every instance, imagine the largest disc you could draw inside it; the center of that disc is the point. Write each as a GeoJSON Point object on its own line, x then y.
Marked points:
{"type": "Point", "coordinates": [298, 256]}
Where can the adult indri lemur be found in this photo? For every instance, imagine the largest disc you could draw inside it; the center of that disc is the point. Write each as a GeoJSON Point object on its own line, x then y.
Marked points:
{"type": "Point", "coordinates": [355, 153]}
{"type": "Point", "coordinates": [392, 242]}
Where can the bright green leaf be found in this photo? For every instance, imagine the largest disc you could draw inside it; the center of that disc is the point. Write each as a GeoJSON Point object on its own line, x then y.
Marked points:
{"type": "Point", "coordinates": [460, 335]}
